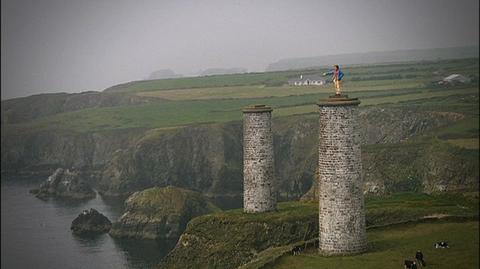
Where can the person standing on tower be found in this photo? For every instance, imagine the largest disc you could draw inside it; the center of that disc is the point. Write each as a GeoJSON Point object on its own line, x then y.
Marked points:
{"type": "Point", "coordinates": [337, 78]}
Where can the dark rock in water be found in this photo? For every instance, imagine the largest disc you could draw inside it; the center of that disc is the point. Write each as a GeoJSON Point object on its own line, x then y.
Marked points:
{"type": "Point", "coordinates": [160, 213]}
{"type": "Point", "coordinates": [65, 183]}
{"type": "Point", "coordinates": [34, 191]}
{"type": "Point", "coordinates": [90, 222]}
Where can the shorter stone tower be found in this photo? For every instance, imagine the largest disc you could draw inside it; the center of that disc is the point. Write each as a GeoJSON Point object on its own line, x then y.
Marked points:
{"type": "Point", "coordinates": [340, 191]}
{"type": "Point", "coordinates": [259, 190]}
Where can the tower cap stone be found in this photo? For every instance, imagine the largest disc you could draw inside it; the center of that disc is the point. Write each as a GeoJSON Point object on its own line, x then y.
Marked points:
{"type": "Point", "coordinates": [338, 100]}
{"type": "Point", "coordinates": [256, 109]}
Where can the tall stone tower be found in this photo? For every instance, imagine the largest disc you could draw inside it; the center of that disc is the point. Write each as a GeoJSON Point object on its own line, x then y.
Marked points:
{"type": "Point", "coordinates": [259, 190]}
{"type": "Point", "coordinates": [341, 204]}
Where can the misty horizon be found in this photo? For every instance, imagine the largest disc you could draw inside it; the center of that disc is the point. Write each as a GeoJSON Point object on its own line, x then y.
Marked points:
{"type": "Point", "coordinates": [74, 46]}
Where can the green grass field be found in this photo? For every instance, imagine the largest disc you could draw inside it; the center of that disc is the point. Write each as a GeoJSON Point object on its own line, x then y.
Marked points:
{"type": "Point", "coordinates": [261, 91]}
{"type": "Point", "coordinates": [386, 210]}
{"type": "Point", "coordinates": [180, 113]}
{"type": "Point", "coordinates": [397, 225]}
{"type": "Point", "coordinates": [390, 246]}
{"type": "Point", "coordinates": [373, 72]}
{"type": "Point", "coordinates": [219, 98]}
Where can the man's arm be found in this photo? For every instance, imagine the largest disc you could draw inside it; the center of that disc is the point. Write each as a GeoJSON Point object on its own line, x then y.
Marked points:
{"type": "Point", "coordinates": [330, 72]}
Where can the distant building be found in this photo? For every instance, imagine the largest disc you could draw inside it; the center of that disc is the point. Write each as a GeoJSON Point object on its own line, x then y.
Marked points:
{"type": "Point", "coordinates": [307, 80]}
{"type": "Point", "coordinates": [454, 78]}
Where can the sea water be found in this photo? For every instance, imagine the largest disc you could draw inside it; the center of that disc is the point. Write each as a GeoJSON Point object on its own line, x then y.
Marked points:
{"type": "Point", "coordinates": [36, 233]}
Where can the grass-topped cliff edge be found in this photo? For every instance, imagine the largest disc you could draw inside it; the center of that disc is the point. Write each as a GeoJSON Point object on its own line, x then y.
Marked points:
{"type": "Point", "coordinates": [232, 238]}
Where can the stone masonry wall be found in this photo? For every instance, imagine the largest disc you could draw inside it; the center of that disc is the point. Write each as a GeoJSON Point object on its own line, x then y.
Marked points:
{"type": "Point", "coordinates": [259, 194]}
{"type": "Point", "coordinates": [341, 203]}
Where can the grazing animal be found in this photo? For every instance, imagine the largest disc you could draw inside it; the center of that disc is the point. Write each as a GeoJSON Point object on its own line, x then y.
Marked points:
{"type": "Point", "coordinates": [296, 250]}
{"type": "Point", "coordinates": [442, 244]}
{"type": "Point", "coordinates": [410, 264]}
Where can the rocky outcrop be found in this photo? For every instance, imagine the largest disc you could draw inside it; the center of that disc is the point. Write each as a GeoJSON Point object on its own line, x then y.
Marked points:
{"type": "Point", "coordinates": [65, 183]}
{"type": "Point", "coordinates": [160, 213]}
{"type": "Point", "coordinates": [232, 238]}
{"type": "Point", "coordinates": [90, 222]}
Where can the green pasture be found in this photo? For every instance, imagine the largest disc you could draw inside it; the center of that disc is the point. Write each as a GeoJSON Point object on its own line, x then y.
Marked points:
{"type": "Point", "coordinates": [219, 98]}
{"type": "Point", "coordinates": [375, 72]}
{"type": "Point", "coordinates": [394, 233]}
{"type": "Point", "coordinates": [261, 91]}
{"type": "Point", "coordinates": [180, 113]}
{"type": "Point", "coordinates": [389, 247]}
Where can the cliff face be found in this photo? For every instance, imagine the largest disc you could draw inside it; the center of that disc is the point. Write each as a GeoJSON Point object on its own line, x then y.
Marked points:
{"type": "Point", "coordinates": [208, 158]}
{"type": "Point", "coordinates": [41, 152]}
{"type": "Point", "coordinates": [205, 158]}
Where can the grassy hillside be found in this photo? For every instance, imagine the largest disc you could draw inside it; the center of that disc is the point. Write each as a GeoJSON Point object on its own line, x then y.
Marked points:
{"type": "Point", "coordinates": [389, 247]}
{"type": "Point", "coordinates": [185, 112]}
{"type": "Point", "coordinates": [231, 238]}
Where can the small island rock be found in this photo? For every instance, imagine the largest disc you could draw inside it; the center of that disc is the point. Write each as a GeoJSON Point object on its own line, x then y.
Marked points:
{"type": "Point", "coordinates": [160, 213]}
{"type": "Point", "coordinates": [90, 222]}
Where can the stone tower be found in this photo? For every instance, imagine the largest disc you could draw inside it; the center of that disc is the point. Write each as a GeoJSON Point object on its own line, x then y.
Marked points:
{"type": "Point", "coordinates": [341, 205]}
{"type": "Point", "coordinates": [259, 190]}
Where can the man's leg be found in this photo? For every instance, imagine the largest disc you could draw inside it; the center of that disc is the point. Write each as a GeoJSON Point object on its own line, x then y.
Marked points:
{"type": "Point", "coordinates": [337, 86]}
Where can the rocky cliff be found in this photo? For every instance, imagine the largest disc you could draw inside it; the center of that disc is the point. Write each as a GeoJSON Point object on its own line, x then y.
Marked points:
{"type": "Point", "coordinates": [208, 158]}
{"type": "Point", "coordinates": [205, 158]}
{"type": "Point", "coordinates": [42, 151]}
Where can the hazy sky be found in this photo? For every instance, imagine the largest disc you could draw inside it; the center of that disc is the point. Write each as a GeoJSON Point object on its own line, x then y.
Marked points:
{"type": "Point", "coordinates": [78, 45]}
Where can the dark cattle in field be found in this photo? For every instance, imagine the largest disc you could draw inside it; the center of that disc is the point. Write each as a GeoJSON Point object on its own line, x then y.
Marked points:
{"type": "Point", "coordinates": [410, 264]}
{"type": "Point", "coordinates": [296, 250]}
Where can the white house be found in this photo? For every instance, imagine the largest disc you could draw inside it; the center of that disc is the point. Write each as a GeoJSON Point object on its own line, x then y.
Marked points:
{"type": "Point", "coordinates": [307, 80]}
{"type": "Point", "coordinates": [454, 78]}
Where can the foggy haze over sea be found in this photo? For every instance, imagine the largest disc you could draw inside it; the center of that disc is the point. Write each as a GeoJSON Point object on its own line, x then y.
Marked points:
{"type": "Point", "coordinates": [73, 46]}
